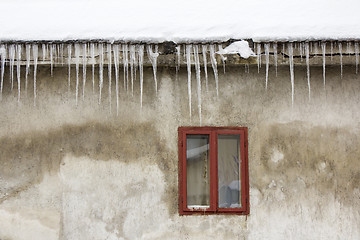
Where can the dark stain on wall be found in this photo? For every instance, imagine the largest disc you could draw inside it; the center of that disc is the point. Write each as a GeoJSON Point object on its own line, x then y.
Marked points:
{"type": "Point", "coordinates": [322, 158]}
{"type": "Point", "coordinates": [25, 158]}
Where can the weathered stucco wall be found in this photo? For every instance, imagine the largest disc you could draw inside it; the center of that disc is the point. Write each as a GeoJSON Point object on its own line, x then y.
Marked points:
{"type": "Point", "coordinates": [79, 172]}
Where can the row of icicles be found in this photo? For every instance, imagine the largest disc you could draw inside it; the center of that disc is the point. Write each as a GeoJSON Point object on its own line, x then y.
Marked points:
{"type": "Point", "coordinates": [131, 56]}
{"type": "Point", "coordinates": [317, 48]}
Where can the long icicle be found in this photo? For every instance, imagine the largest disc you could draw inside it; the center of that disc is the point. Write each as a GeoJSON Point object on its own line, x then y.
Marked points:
{"type": "Point", "coordinates": [341, 60]}
{"type": "Point", "coordinates": [62, 54]}
{"type": "Point", "coordinates": [109, 72]}
{"type": "Point", "coordinates": [188, 63]}
{"type": "Point", "coordinates": [35, 56]}
{"type": "Point", "coordinates": [356, 57]}
{"type": "Point", "coordinates": [3, 57]}
{"type": "Point", "coordinates": [178, 60]}
{"type": "Point", "coordinates": [307, 56]}
{"type": "Point", "coordinates": [258, 55]}
{"type": "Point", "coordinates": [141, 64]}
{"type": "Point", "coordinates": [267, 57]}
{"type": "Point", "coordinates": [43, 46]}
{"type": "Point", "coordinates": [275, 57]}
{"type": "Point", "coordinates": [84, 69]}
{"type": "Point", "coordinates": [101, 65]}
{"type": "Point", "coordinates": [92, 50]}
{"type": "Point", "coordinates": [12, 62]}
{"type": "Point", "coordinates": [204, 52]}
{"type": "Point", "coordinates": [77, 62]}
{"type": "Point", "coordinates": [323, 47]}
{"type": "Point", "coordinates": [132, 63]}
{"type": "Point", "coordinates": [126, 66]}
{"type": "Point", "coordinates": [28, 51]}
{"type": "Point", "coordinates": [153, 59]}
{"type": "Point", "coordinates": [116, 63]}
{"type": "Point", "coordinates": [291, 64]}
{"type": "Point", "coordinates": [19, 52]}
{"type": "Point", "coordinates": [51, 58]}
{"type": "Point", "coordinates": [214, 66]}
{"type": "Point", "coordinates": [198, 80]}
{"type": "Point", "coordinates": [69, 65]}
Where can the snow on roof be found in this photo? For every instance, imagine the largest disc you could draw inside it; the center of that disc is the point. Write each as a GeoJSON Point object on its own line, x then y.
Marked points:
{"type": "Point", "coordinates": [179, 21]}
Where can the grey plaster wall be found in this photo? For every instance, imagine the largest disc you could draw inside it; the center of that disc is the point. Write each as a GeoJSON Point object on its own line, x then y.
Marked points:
{"type": "Point", "coordinates": [81, 172]}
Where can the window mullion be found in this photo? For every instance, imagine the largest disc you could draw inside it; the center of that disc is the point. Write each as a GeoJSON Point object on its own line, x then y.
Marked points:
{"type": "Point", "coordinates": [213, 172]}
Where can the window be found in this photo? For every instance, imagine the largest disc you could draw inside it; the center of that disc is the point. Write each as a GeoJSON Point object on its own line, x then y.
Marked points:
{"type": "Point", "coordinates": [213, 170]}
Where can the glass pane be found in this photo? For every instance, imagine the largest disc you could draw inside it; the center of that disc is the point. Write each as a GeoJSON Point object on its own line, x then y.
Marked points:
{"type": "Point", "coordinates": [197, 171]}
{"type": "Point", "coordinates": [229, 171]}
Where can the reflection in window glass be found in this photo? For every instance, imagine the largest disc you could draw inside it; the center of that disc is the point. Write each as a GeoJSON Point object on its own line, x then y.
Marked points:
{"type": "Point", "coordinates": [229, 171]}
{"type": "Point", "coordinates": [197, 171]}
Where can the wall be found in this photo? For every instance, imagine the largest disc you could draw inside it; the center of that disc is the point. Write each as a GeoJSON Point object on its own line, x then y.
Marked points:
{"type": "Point", "coordinates": [79, 172]}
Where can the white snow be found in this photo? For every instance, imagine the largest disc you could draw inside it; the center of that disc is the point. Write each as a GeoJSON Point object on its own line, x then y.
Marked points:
{"type": "Point", "coordinates": [160, 20]}
{"type": "Point", "coordinates": [239, 47]}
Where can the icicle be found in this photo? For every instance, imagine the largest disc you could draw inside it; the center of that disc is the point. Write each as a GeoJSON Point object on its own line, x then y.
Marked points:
{"type": "Point", "coordinates": [301, 48]}
{"type": "Point", "coordinates": [35, 57]}
{"type": "Point", "coordinates": [323, 47]}
{"type": "Point", "coordinates": [267, 46]}
{"type": "Point", "coordinates": [57, 53]}
{"type": "Point", "coordinates": [132, 63]}
{"type": "Point", "coordinates": [356, 57]}
{"type": "Point", "coordinates": [331, 50]}
{"type": "Point", "coordinates": [116, 63]}
{"type": "Point", "coordinates": [62, 54]}
{"type": "Point", "coordinates": [316, 49]}
{"type": "Point", "coordinates": [51, 58]}
{"type": "Point", "coordinates": [283, 51]}
{"type": "Point", "coordinates": [18, 50]}
{"type": "Point", "coordinates": [275, 57]}
{"type": "Point", "coordinates": [307, 55]}
{"type": "Point", "coordinates": [77, 62]}
{"type": "Point", "coordinates": [247, 67]}
{"type": "Point", "coordinates": [141, 64]}
{"type": "Point", "coordinates": [84, 69]}
{"type": "Point", "coordinates": [341, 60]}
{"type": "Point", "coordinates": [101, 65]}
{"type": "Point", "coordinates": [213, 64]}
{"type": "Point", "coordinates": [291, 63]}
{"type": "Point", "coordinates": [12, 62]}
{"type": "Point", "coordinates": [135, 63]}
{"type": "Point", "coordinates": [258, 49]}
{"type": "Point", "coordinates": [204, 52]}
{"type": "Point", "coordinates": [43, 52]}
{"type": "Point", "coordinates": [153, 59]}
{"type": "Point", "coordinates": [223, 59]}
{"type": "Point", "coordinates": [188, 63]}
{"type": "Point", "coordinates": [348, 48]}
{"type": "Point", "coordinates": [69, 65]}
{"type": "Point", "coordinates": [126, 66]}
{"type": "Point", "coordinates": [198, 80]}
{"type": "Point", "coordinates": [92, 52]}
{"type": "Point", "coordinates": [3, 57]}
{"type": "Point", "coordinates": [28, 49]}
{"type": "Point", "coordinates": [184, 47]}
{"type": "Point", "coordinates": [109, 73]}
{"type": "Point", "coordinates": [178, 58]}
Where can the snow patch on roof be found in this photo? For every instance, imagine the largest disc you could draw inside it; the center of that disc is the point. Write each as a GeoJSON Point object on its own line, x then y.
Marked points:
{"type": "Point", "coordinates": [239, 47]}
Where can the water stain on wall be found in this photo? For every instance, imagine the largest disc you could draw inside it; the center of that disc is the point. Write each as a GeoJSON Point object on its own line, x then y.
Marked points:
{"type": "Point", "coordinates": [308, 157]}
{"type": "Point", "coordinates": [25, 158]}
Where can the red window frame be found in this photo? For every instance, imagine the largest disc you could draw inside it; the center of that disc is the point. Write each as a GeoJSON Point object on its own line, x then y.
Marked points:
{"type": "Point", "coordinates": [213, 132]}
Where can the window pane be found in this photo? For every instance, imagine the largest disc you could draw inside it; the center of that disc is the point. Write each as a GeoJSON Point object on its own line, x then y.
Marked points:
{"type": "Point", "coordinates": [197, 171]}
{"type": "Point", "coordinates": [229, 171]}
